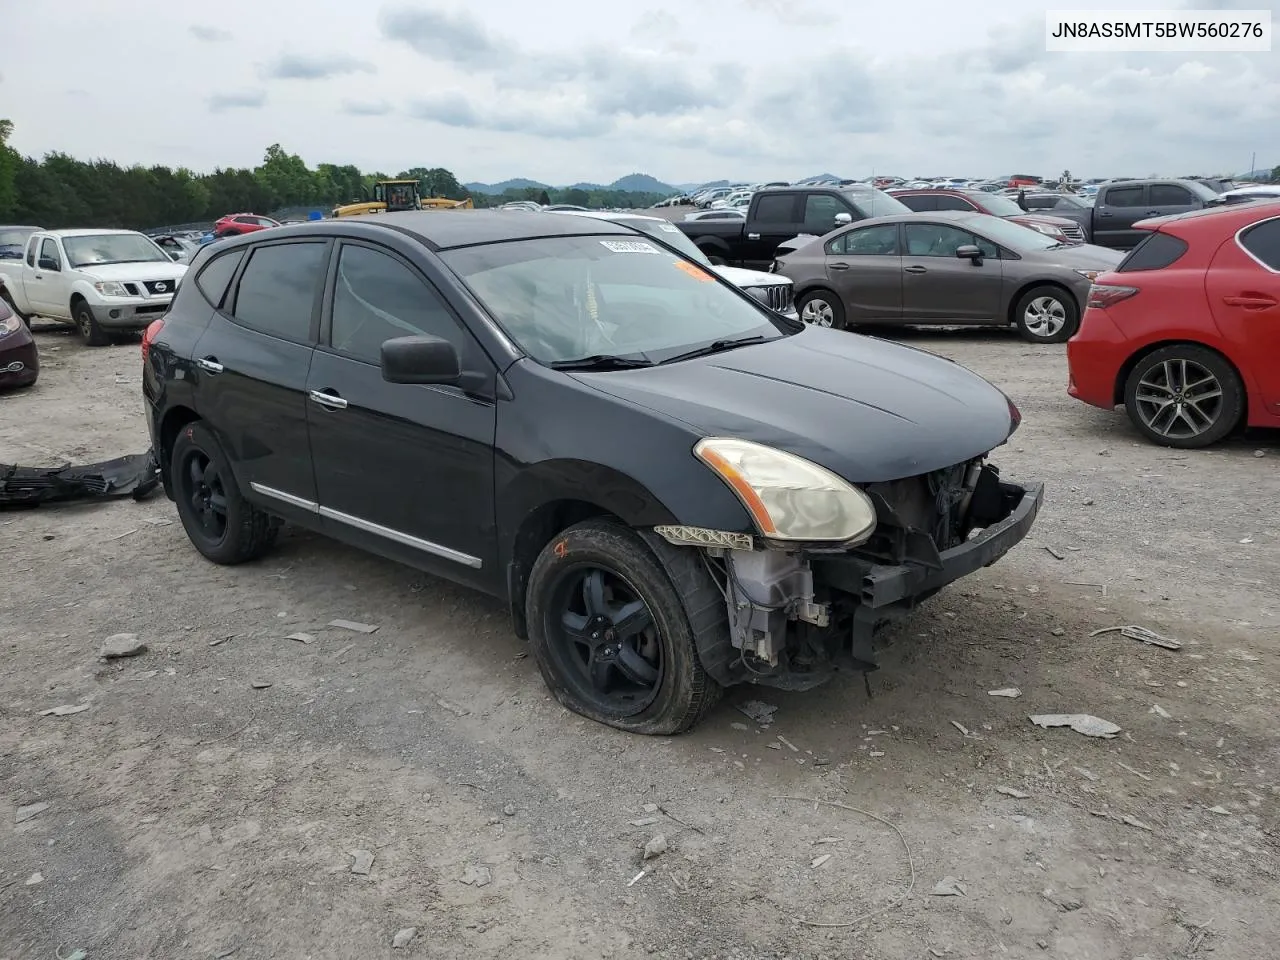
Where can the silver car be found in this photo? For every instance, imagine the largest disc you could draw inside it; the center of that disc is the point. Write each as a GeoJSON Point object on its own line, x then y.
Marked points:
{"type": "Point", "coordinates": [944, 268]}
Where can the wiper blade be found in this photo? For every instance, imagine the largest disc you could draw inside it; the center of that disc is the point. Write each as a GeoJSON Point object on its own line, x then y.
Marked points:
{"type": "Point", "coordinates": [716, 346]}
{"type": "Point", "coordinates": [600, 361]}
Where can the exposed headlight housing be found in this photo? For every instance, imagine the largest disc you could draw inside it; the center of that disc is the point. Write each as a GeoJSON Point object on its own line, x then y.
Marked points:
{"type": "Point", "coordinates": [111, 288]}
{"type": "Point", "coordinates": [1090, 275]}
{"type": "Point", "coordinates": [789, 498]}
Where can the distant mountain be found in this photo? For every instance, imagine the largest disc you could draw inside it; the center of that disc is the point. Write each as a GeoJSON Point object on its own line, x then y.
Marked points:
{"type": "Point", "coordinates": [519, 183]}
{"type": "Point", "coordinates": [632, 183]}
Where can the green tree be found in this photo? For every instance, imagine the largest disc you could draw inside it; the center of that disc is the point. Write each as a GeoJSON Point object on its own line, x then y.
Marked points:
{"type": "Point", "coordinates": [544, 198]}
{"type": "Point", "coordinates": [577, 197]}
{"type": "Point", "coordinates": [9, 164]}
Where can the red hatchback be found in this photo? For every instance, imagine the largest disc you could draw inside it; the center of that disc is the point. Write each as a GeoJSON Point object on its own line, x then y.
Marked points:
{"type": "Point", "coordinates": [234, 224]}
{"type": "Point", "coordinates": [1185, 332]}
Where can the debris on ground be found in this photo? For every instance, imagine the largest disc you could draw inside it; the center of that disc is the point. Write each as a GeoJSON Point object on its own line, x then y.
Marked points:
{"type": "Point", "coordinates": [137, 475]}
{"type": "Point", "coordinates": [65, 710]}
{"type": "Point", "coordinates": [962, 728]}
{"type": "Point", "coordinates": [1011, 792]}
{"type": "Point", "coordinates": [353, 626]}
{"type": "Point", "coordinates": [1053, 553]}
{"type": "Point", "coordinates": [947, 887]}
{"type": "Point", "coordinates": [788, 744]}
{"type": "Point", "coordinates": [759, 711]}
{"type": "Point", "coordinates": [819, 861]}
{"type": "Point", "coordinates": [638, 876]}
{"type": "Point", "coordinates": [828, 840]}
{"type": "Point", "coordinates": [1013, 693]}
{"type": "Point", "coordinates": [361, 862]}
{"type": "Point", "coordinates": [219, 641]}
{"type": "Point", "coordinates": [476, 876]}
{"type": "Point", "coordinates": [1141, 634]}
{"type": "Point", "coordinates": [456, 709]}
{"type": "Point", "coordinates": [645, 821]}
{"type": "Point", "coordinates": [655, 847]}
{"type": "Point", "coordinates": [509, 810]}
{"type": "Point", "coordinates": [403, 937]}
{"type": "Point", "coordinates": [121, 645]}
{"type": "Point", "coordinates": [29, 811]}
{"type": "Point", "coordinates": [1058, 632]}
{"type": "Point", "coordinates": [1220, 811]}
{"type": "Point", "coordinates": [35, 878]}
{"type": "Point", "coordinates": [301, 637]}
{"type": "Point", "coordinates": [1160, 711]}
{"type": "Point", "coordinates": [1083, 723]}
{"type": "Point", "coordinates": [260, 684]}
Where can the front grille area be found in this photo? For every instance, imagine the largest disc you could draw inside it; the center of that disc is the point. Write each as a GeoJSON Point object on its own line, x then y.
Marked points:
{"type": "Point", "coordinates": [1074, 232]}
{"type": "Point", "coordinates": [779, 296]}
{"type": "Point", "coordinates": [160, 287]}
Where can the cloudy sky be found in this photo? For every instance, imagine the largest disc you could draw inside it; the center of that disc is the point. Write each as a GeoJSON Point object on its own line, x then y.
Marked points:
{"type": "Point", "coordinates": [568, 90]}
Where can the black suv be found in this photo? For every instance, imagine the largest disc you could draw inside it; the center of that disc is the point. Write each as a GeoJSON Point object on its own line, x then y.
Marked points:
{"type": "Point", "coordinates": [575, 417]}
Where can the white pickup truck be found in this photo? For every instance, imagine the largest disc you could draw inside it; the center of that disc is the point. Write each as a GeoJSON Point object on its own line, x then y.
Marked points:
{"type": "Point", "coordinates": [104, 282]}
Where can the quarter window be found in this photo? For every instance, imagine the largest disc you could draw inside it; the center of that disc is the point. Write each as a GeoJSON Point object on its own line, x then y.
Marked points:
{"type": "Point", "coordinates": [1263, 241]}
{"type": "Point", "coordinates": [216, 275]}
{"type": "Point", "coordinates": [377, 298]}
{"type": "Point", "coordinates": [277, 291]}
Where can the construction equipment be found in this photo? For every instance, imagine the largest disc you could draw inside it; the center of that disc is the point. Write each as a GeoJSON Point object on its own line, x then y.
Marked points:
{"type": "Point", "coordinates": [397, 195]}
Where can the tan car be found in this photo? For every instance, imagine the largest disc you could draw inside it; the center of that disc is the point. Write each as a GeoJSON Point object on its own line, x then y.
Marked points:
{"type": "Point", "coordinates": [944, 268]}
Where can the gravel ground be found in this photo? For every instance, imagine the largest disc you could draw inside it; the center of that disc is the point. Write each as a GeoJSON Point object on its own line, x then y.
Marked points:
{"type": "Point", "coordinates": [217, 792]}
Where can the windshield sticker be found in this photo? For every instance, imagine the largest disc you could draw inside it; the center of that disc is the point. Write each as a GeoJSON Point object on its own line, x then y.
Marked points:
{"type": "Point", "coordinates": [694, 271]}
{"type": "Point", "coordinates": [628, 246]}
{"type": "Point", "coordinates": [668, 228]}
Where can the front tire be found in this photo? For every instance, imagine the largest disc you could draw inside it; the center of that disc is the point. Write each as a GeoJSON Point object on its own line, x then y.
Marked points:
{"type": "Point", "coordinates": [1047, 315]}
{"type": "Point", "coordinates": [1184, 396]}
{"type": "Point", "coordinates": [220, 523]}
{"type": "Point", "coordinates": [91, 331]}
{"type": "Point", "coordinates": [821, 308]}
{"type": "Point", "coordinates": [611, 633]}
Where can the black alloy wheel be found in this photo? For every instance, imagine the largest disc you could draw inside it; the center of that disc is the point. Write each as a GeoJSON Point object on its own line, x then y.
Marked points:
{"type": "Point", "coordinates": [203, 487]}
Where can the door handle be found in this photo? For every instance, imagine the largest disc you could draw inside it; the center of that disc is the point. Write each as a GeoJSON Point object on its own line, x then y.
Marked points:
{"type": "Point", "coordinates": [1250, 303]}
{"type": "Point", "coordinates": [1104, 215]}
{"type": "Point", "coordinates": [210, 364]}
{"type": "Point", "coordinates": [753, 236]}
{"type": "Point", "coordinates": [328, 399]}
{"type": "Point", "coordinates": [915, 269]}
{"type": "Point", "coordinates": [1152, 213]}
{"type": "Point", "coordinates": [39, 276]}
{"type": "Point", "coordinates": [839, 266]}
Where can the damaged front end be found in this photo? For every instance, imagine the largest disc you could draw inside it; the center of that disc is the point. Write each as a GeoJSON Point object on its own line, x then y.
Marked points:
{"type": "Point", "coordinates": [137, 475]}
{"type": "Point", "coordinates": [799, 612]}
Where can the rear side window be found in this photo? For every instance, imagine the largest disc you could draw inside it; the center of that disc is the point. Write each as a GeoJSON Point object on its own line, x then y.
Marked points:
{"type": "Point", "coordinates": [776, 208]}
{"type": "Point", "coordinates": [216, 275]}
{"type": "Point", "coordinates": [1123, 197]}
{"type": "Point", "coordinates": [1263, 241]}
{"type": "Point", "coordinates": [920, 203]}
{"type": "Point", "coordinates": [1157, 251]}
{"type": "Point", "coordinates": [946, 202]}
{"type": "Point", "coordinates": [1170, 195]}
{"type": "Point", "coordinates": [277, 291]}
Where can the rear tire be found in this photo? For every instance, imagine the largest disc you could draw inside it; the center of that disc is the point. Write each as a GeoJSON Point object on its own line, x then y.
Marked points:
{"type": "Point", "coordinates": [611, 633]}
{"type": "Point", "coordinates": [91, 331]}
{"type": "Point", "coordinates": [822, 308]}
{"type": "Point", "coordinates": [1166, 412]}
{"type": "Point", "coordinates": [220, 523]}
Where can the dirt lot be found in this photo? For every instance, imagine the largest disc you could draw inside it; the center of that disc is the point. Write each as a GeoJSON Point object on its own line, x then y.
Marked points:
{"type": "Point", "coordinates": [194, 811]}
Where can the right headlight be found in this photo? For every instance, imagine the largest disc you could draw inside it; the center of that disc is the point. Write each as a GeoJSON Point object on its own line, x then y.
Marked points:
{"type": "Point", "coordinates": [789, 497]}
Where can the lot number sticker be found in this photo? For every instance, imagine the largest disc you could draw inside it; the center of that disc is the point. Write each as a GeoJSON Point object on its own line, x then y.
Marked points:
{"type": "Point", "coordinates": [628, 246]}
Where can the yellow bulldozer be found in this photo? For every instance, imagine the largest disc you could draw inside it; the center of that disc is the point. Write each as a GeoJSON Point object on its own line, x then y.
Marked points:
{"type": "Point", "coordinates": [396, 195]}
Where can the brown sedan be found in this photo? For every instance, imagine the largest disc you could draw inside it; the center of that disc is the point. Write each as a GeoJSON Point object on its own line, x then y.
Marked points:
{"type": "Point", "coordinates": [944, 268]}
{"type": "Point", "coordinates": [19, 359]}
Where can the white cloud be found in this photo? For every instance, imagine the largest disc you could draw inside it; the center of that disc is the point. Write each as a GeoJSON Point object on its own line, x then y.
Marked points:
{"type": "Point", "coordinates": [568, 90]}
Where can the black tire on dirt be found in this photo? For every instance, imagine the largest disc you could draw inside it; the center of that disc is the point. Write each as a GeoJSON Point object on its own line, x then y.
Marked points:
{"type": "Point", "coordinates": [611, 633]}
{"type": "Point", "coordinates": [220, 523]}
{"type": "Point", "coordinates": [1184, 396]}
{"type": "Point", "coordinates": [1047, 314]}
{"type": "Point", "coordinates": [91, 331]}
{"type": "Point", "coordinates": [822, 308]}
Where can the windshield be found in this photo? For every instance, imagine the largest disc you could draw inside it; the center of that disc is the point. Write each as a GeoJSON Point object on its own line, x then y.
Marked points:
{"type": "Point", "coordinates": [13, 240]}
{"type": "Point", "coordinates": [102, 248]}
{"type": "Point", "coordinates": [669, 234]}
{"type": "Point", "coordinates": [565, 298]}
{"type": "Point", "coordinates": [1013, 235]}
{"type": "Point", "coordinates": [871, 202]}
{"type": "Point", "coordinates": [1001, 207]}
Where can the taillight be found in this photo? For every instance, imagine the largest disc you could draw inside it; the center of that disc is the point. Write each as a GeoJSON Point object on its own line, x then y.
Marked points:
{"type": "Point", "coordinates": [148, 335]}
{"type": "Point", "coordinates": [1103, 295]}
{"type": "Point", "coordinates": [1015, 416]}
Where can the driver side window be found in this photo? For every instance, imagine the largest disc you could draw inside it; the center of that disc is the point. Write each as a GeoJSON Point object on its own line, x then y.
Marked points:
{"type": "Point", "coordinates": [878, 241]}
{"type": "Point", "coordinates": [49, 251]}
{"type": "Point", "coordinates": [942, 240]}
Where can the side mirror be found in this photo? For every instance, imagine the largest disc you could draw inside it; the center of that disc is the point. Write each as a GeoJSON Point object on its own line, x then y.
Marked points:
{"type": "Point", "coordinates": [420, 359]}
{"type": "Point", "coordinates": [969, 252]}
{"type": "Point", "coordinates": [843, 218]}
{"type": "Point", "coordinates": [48, 263]}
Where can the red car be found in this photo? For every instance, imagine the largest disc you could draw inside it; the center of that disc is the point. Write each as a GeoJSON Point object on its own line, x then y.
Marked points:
{"type": "Point", "coordinates": [234, 224]}
{"type": "Point", "coordinates": [19, 358]}
{"type": "Point", "coordinates": [1185, 332]}
{"type": "Point", "coordinates": [979, 201]}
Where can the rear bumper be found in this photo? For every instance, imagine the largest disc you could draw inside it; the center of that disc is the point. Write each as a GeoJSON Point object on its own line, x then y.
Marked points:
{"type": "Point", "coordinates": [1094, 358]}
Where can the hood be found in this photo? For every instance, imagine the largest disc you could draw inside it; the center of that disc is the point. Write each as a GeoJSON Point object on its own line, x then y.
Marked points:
{"type": "Point", "coordinates": [152, 270]}
{"type": "Point", "coordinates": [1083, 256]}
{"type": "Point", "coordinates": [1045, 219]}
{"type": "Point", "coordinates": [867, 409]}
{"type": "Point", "coordinates": [749, 278]}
